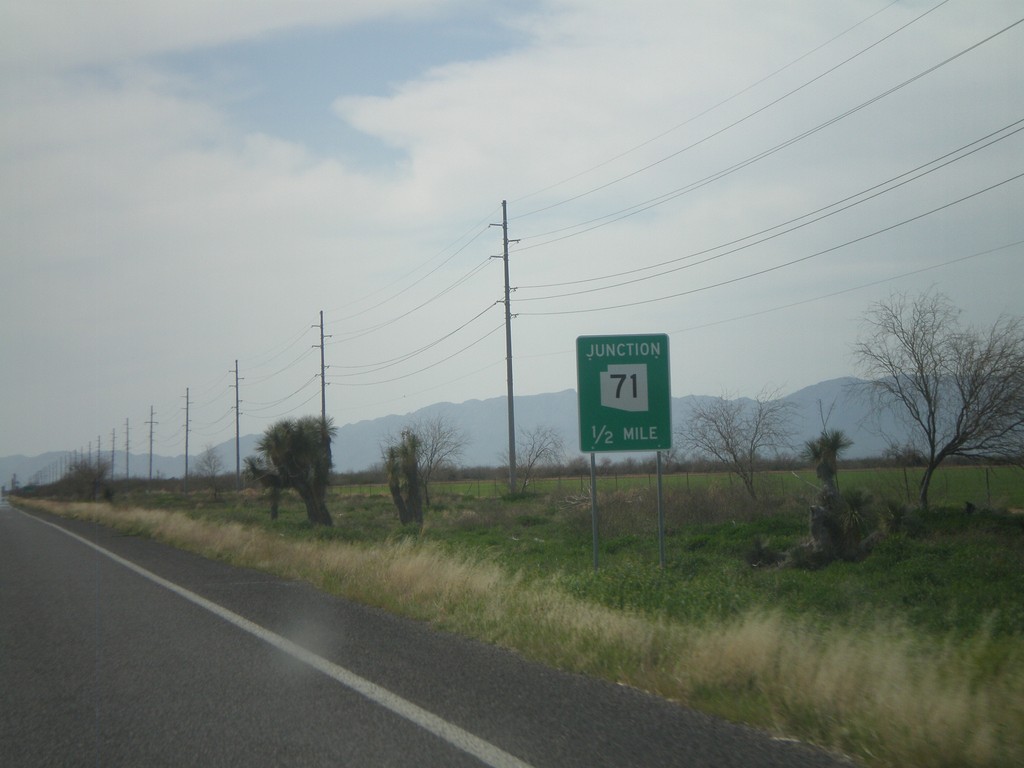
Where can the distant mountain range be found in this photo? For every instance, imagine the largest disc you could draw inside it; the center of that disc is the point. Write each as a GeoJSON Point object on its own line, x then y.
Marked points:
{"type": "Point", "coordinates": [485, 425]}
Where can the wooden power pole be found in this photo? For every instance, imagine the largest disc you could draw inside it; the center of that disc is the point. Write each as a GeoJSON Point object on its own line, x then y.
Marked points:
{"type": "Point", "coordinates": [508, 357]}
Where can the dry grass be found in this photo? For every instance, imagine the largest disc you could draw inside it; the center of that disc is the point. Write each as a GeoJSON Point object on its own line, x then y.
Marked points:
{"type": "Point", "coordinates": [883, 693]}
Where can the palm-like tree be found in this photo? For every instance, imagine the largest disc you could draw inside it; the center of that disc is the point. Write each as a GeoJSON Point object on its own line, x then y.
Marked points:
{"type": "Point", "coordinates": [298, 453]}
{"type": "Point", "coordinates": [257, 469]}
{"type": "Point", "coordinates": [834, 524]}
{"type": "Point", "coordinates": [824, 452]}
{"type": "Point", "coordinates": [401, 465]}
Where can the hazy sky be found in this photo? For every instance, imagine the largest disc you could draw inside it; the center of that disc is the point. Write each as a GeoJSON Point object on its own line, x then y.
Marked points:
{"type": "Point", "coordinates": [189, 184]}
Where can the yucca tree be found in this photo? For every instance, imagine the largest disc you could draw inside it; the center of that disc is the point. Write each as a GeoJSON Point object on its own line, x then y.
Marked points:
{"type": "Point", "coordinates": [298, 452]}
{"type": "Point", "coordinates": [257, 470]}
{"type": "Point", "coordinates": [834, 523]}
{"type": "Point", "coordinates": [824, 451]}
{"type": "Point", "coordinates": [393, 471]}
{"type": "Point", "coordinates": [401, 465]}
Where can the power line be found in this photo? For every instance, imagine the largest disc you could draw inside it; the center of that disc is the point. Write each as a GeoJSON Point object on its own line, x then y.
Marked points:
{"type": "Point", "coordinates": [441, 385]}
{"type": "Point", "coordinates": [381, 365]}
{"type": "Point", "coordinates": [301, 357]}
{"type": "Point", "coordinates": [645, 206]}
{"type": "Point", "coordinates": [212, 429]}
{"type": "Point", "coordinates": [777, 267]}
{"type": "Point", "coordinates": [384, 324]}
{"type": "Point", "coordinates": [280, 414]}
{"type": "Point", "coordinates": [413, 272]}
{"type": "Point", "coordinates": [860, 287]}
{"type": "Point", "coordinates": [428, 367]}
{"type": "Point", "coordinates": [784, 228]}
{"type": "Point", "coordinates": [833, 294]}
{"type": "Point", "coordinates": [251, 411]}
{"type": "Point", "coordinates": [256, 362]}
{"type": "Point", "coordinates": [735, 123]}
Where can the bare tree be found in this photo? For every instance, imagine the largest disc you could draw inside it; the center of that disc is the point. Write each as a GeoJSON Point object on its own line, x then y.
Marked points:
{"type": "Point", "coordinates": [441, 444]}
{"type": "Point", "coordinates": [85, 478]}
{"type": "Point", "coordinates": [210, 466]}
{"type": "Point", "coordinates": [535, 448]}
{"type": "Point", "coordinates": [737, 433]}
{"type": "Point", "coordinates": [960, 390]}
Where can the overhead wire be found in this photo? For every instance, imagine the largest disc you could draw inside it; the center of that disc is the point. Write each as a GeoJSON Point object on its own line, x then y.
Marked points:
{"type": "Point", "coordinates": [428, 367]}
{"type": "Point", "coordinates": [832, 294]}
{"type": "Point", "coordinates": [674, 194]}
{"type": "Point", "coordinates": [204, 428]}
{"type": "Point", "coordinates": [261, 379]}
{"type": "Point", "coordinates": [280, 414]}
{"type": "Point", "coordinates": [202, 394]}
{"type": "Point", "coordinates": [786, 227]}
{"type": "Point", "coordinates": [386, 323]}
{"type": "Point", "coordinates": [860, 287]}
{"type": "Point", "coordinates": [263, 406]}
{"type": "Point", "coordinates": [439, 385]}
{"type": "Point", "coordinates": [706, 111]}
{"type": "Point", "coordinates": [482, 229]}
{"type": "Point", "coordinates": [257, 412]}
{"type": "Point", "coordinates": [733, 124]}
{"type": "Point", "coordinates": [257, 362]}
{"type": "Point", "coordinates": [767, 270]}
{"type": "Point", "coordinates": [383, 364]}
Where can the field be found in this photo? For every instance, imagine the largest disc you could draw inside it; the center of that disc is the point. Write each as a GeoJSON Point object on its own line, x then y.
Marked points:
{"type": "Point", "coordinates": [992, 487]}
{"type": "Point", "coordinates": [914, 656]}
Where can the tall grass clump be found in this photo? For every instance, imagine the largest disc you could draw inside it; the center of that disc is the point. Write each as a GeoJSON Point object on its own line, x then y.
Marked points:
{"type": "Point", "coordinates": [883, 691]}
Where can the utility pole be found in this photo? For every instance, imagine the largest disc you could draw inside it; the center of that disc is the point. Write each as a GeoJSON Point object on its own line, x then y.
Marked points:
{"type": "Point", "coordinates": [127, 458]}
{"type": "Point", "coordinates": [323, 372]}
{"type": "Point", "coordinates": [508, 356]}
{"type": "Point", "coordinates": [113, 440]}
{"type": "Point", "coordinates": [325, 438]}
{"type": "Point", "coordinates": [151, 423]}
{"type": "Point", "coordinates": [238, 455]}
{"type": "Point", "coordinates": [185, 483]}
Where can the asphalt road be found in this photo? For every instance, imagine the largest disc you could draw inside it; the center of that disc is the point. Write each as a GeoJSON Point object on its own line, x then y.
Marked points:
{"type": "Point", "coordinates": [120, 651]}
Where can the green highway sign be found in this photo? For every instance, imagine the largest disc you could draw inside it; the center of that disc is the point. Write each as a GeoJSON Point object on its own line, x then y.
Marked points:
{"type": "Point", "coordinates": [625, 398]}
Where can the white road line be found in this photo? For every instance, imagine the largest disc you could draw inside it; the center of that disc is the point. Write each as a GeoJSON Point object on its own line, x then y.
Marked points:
{"type": "Point", "coordinates": [484, 751]}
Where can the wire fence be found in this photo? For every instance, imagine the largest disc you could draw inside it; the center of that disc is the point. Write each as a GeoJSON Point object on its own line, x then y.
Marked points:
{"type": "Point", "coordinates": [987, 486]}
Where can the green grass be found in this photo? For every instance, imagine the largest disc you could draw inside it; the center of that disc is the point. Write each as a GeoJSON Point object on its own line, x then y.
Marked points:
{"type": "Point", "coordinates": [985, 487]}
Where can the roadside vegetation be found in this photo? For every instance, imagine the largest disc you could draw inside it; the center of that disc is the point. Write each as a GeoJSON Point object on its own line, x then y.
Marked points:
{"type": "Point", "coordinates": [912, 656]}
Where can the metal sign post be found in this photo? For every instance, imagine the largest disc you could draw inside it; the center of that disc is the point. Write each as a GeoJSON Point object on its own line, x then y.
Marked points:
{"type": "Point", "coordinates": [593, 504]}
